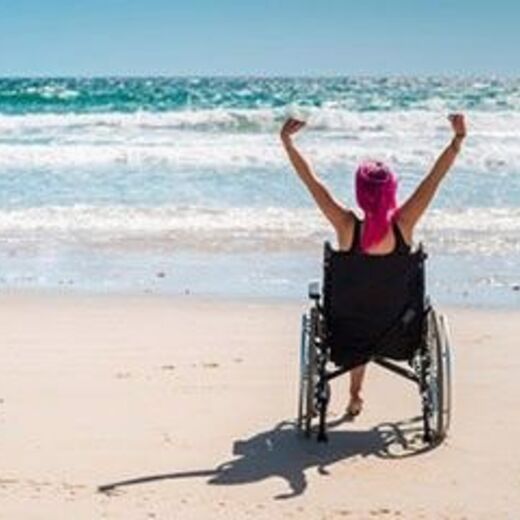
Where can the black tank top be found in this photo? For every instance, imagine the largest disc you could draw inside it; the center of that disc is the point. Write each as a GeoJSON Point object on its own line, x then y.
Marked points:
{"type": "Point", "coordinates": [401, 247]}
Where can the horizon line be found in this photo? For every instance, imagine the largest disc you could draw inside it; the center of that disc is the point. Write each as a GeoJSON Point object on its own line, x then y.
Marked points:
{"type": "Point", "coordinates": [265, 76]}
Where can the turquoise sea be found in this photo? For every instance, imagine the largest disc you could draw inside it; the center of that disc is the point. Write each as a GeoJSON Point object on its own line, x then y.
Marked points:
{"type": "Point", "coordinates": [179, 185]}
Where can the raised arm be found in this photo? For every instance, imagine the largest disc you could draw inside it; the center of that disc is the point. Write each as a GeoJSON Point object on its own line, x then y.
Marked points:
{"type": "Point", "coordinates": [415, 206]}
{"type": "Point", "coordinates": [331, 208]}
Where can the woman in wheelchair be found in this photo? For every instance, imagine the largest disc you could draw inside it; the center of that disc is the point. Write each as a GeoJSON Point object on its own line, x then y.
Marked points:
{"type": "Point", "coordinates": [386, 229]}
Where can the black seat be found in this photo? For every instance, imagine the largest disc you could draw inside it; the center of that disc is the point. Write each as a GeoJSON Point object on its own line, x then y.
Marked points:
{"type": "Point", "coordinates": [372, 305]}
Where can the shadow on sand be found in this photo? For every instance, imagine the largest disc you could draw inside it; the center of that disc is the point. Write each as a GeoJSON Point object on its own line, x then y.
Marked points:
{"type": "Point", "coordinates": [282, 452]}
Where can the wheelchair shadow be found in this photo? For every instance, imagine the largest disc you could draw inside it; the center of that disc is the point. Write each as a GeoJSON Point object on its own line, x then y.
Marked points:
{"type": "Point", "coordinates": [282, 452]}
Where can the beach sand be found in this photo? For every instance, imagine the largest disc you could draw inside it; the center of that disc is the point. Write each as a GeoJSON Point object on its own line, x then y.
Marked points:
{"type": "Point", "coordinates": [191, 402]}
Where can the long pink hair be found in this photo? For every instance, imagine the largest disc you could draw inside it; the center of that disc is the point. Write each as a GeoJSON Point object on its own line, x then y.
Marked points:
{"type": "Point", "coordinates": [376, 188]}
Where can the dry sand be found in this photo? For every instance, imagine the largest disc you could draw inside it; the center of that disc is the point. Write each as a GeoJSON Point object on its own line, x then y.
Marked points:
{"type": "Point", "coordinates": [191, 401]}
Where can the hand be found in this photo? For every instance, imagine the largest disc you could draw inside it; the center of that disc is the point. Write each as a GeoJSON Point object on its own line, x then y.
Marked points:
{"type": "Point", "coordinates": [458, 124]}
{"type": "Point", "coordinates": [290, 127]}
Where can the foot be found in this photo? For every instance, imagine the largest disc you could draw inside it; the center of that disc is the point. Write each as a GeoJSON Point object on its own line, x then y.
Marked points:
{"type": "Point", "coordinates": [354, 406]}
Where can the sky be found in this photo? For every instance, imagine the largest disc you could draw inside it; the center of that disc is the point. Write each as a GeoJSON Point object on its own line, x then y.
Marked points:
{"type": "Point", "coordinates": [259, 37]}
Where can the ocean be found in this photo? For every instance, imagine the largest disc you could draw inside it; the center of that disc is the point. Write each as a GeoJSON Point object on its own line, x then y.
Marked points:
{"type": "Point", "coordinates": [180, 185]}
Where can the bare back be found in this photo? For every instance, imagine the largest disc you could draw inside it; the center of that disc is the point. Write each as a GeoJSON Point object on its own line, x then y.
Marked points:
{"type": "Point", "coordinates": [345, 236]}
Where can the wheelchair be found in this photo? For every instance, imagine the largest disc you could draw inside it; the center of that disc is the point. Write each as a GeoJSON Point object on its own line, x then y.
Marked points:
{"type": "Point", "coordinates": [373, 309]}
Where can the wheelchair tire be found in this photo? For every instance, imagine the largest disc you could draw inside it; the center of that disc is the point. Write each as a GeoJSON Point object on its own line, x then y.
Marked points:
{"type": "Point", "coordinates": [437, 401]}
{"type": "Point", "coordinates": [304, 339]}
{"type": "Point", "coordinates": [445, 353]}
{"type": "Point", "coordinates": [307, 383]}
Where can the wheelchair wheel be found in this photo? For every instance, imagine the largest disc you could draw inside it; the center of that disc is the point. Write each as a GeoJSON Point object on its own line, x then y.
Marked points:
{"type": "Point", "coordinates": [437, 379]}
{"type": "Point", "coordinates": [307, 386]}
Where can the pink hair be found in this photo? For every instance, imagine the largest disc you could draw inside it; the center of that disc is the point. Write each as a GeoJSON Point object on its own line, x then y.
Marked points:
{"type": "Point", "coordinates": [376, 187]}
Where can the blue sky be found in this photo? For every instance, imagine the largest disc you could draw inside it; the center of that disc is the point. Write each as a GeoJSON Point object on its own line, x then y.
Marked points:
{"type": "Point", "coordinates": [255, 37]}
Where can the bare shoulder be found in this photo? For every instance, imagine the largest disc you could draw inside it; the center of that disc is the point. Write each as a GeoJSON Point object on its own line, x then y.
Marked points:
{"type": "Point", "coordinates": [405, 228]}
{"type": "Point", "coordinates": [348, 220]}
{"type": "Point", "coordinates": [345, 231]}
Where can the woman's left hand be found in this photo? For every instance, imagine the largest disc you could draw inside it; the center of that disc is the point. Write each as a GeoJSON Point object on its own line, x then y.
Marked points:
{"type": "Point", "coordinates": [458, 124]}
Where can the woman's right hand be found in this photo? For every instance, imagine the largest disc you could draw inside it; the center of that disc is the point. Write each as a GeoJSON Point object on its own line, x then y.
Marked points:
{"type": "Point", "coordinates": [290, 127]}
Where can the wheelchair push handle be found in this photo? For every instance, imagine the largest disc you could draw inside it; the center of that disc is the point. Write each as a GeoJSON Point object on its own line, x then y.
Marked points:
{"type": "Point", "coordinates": [314, 290]}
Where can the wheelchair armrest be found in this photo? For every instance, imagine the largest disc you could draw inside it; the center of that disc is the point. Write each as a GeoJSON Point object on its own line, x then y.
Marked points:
{"type": "Point", "coordinates": [314, 290]}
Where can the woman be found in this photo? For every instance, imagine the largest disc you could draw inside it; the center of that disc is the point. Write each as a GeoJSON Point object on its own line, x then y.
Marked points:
{"type": "Point", "coordinates": [386, 228]}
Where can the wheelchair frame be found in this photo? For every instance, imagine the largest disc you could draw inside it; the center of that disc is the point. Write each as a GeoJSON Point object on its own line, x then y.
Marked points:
{"type": "Point", "coordinates": [429, 369]}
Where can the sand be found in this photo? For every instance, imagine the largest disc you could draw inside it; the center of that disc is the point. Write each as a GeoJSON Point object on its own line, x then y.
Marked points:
{"type": "Point", "coordinates": [188, 404]}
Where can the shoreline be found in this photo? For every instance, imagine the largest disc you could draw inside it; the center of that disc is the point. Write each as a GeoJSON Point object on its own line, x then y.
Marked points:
{"type": "Point", "coordinates": [452, 280]}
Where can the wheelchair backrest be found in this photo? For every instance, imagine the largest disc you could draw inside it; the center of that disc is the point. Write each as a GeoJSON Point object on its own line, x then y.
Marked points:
{"type": "Point", "coordinates": [364, 296]}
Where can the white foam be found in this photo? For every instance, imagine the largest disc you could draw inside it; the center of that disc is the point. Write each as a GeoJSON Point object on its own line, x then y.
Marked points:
{"type": "Point", "coordinates": [470, 231]}
{"type": "Point", "coordinates": [225, 138]}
